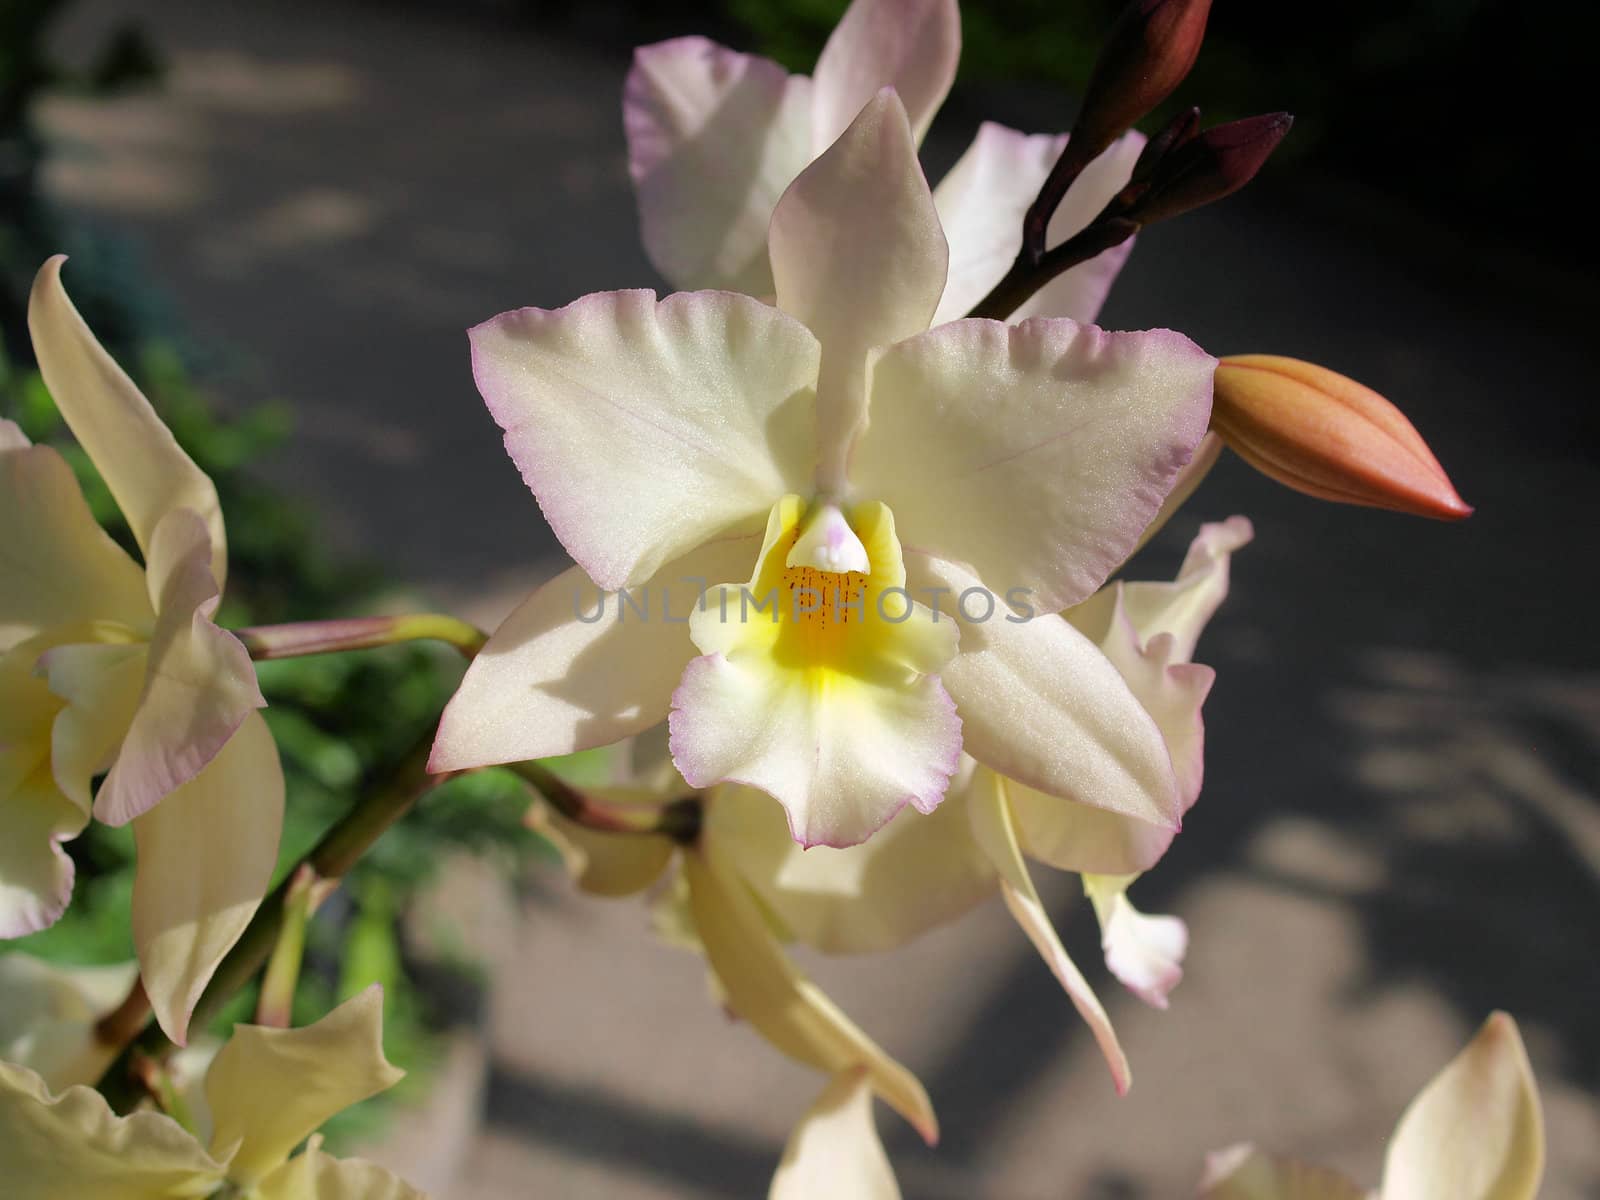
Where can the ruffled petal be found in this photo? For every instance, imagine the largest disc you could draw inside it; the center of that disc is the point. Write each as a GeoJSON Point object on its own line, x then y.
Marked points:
{"type": "Point", "coordinates": [73, 1145]}
{"type": "Point", "coordinates": [992, 826]}
{"type": "Point", "coordinates": [1034, 453]}
{"type": "Point", "coordinates": [574, 667]}
{"type": "Point", "coordinates": [199, 685]}
{"type": "Point", "coordinates": [646, 428]}
{"type": "Point", "coordinates": [101, 683]}
{"type": "Point", "coordinates": [315, 1175]}
{"type": "Point", "coordinates": [1476, 1132]}
{"type": "Point", "coordinates": [835, 1151]}
{"type": "Point", "coordinates": [206, 856]}
{"type": "Point", "coordinates": [59, 567]}
{"type": "Point", "coordinates": [1144, 952]}
{"type": "Point", "coordinates": [918, 872]}
{"type": "Point", "coordinates": [857, 254]}
{"type": "Point", "coordinates": [1042, 705]}
{"type": "Point", "coordinates": [1245, 1173]}
{"type": "Point", "coordinates": [36, 874]}
{"type": "Point", "coordinates": [843, 722]}
{"type": "Point", "coordinates": [765, 989]}
{"type": "Point", "coordinates": [47, 1022]}
{"type": "Point", "coordinates": [910, 45]}
{"type": "Point", "coordinates": [982, 202]}
{"type": "Point", "coordinates": [147, 471]}
{"type": "Point", "coordinates": [714, 137]}
{"type": "Point", "coordinates": [270, 1088]}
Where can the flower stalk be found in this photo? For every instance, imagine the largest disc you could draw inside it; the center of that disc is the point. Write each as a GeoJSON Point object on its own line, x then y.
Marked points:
{"type": "Point", "coordinates": [678, 819]}
{"type": "Point", "coordinates": [306, 893]}
{"type": "Point", "coordinates": [328, 862]}
{"type": "Point", "coordinates": [359, 633]}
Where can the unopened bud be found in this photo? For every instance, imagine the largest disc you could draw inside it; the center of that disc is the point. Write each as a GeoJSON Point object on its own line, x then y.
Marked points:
{"type": "Point", "coordinates": [1321, 433]}
{"type": "Point", "coordinates": [1148, 53]}
{"type": "Point", "coordinates": [1210, 166]}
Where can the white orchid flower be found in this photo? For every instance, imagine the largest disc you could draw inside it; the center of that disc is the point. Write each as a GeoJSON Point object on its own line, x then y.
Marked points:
{"type": "Point", "coordinates": [715, 137]}
{"type": "Point", "coordinates": [109, 667]}
{"type": "Point", "coordinates": [266, 1092]}
{"type": "Point", "coordinates": [1476, 1132]}
{"type": "Point", "coordinates": [888, 464]}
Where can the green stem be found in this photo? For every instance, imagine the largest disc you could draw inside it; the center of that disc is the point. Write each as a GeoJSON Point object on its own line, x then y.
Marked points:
{"type": "Point", "coordinates": [307, 891]}
{"type": "Point", "coordinates": [359, 633]}
{"type": "Point", "coordinates": [329, 860]}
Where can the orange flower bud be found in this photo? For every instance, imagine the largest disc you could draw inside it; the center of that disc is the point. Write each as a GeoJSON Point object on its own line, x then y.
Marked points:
{"type": "Point", "coordinates": [1318, 432]}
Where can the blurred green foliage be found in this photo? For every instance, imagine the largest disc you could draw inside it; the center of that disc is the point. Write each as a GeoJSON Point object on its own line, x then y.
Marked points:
{"type": "Point", "coordinates": [339, 720]}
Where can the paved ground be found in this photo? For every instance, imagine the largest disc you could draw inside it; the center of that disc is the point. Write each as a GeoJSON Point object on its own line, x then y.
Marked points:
{"type": "Point", "coordinates": [1401, 828]}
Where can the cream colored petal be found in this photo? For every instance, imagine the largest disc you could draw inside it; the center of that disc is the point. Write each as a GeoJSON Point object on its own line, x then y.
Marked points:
{"type": "Point", "coordinates": [910, 45]}
{"type": "Point", "coordinates": [858, 255]}
{"type": "Point", "coordinates": [206, 856]}
{"type": "Point", "coordinates": [782, 1005]}
{"type": "Point", "coordinates": [57, 566]}
{"type": "Point", "coordinates": [35, 873]}
{"type": "Point", "coordinates": [714, 137]}
{"type": "Point", "coordinates": [142, 463]}
{"type": "Point", "coordinates": [318, 1176]}
{"type": "Point", "coordinates": [72, 1147]}
{"type": "Point", "coordinates": [199, 684]}
{"type": "Point", "coordinates": [574, 667]}
{"type": "Point", "coordinates": [48, 1013]}
{"type": "Point", "coordinates": [1144, 951]}
{"type": "Point", "coordinates": [992, 826]}
{"type": "Point", "coordinates": [1183, 607]}
{"type": "Point", "coordinates": [1476, 1132]}
{"type": "Point", "coordinates": [101, 682]}
{"type": "Point", "coordinates": [601, 863]}
{"type": "Point", "coordinates": [269, 1089]}
{"type": "Point", "coordinates": [1245, 1173]}
{"type": "Point", "coordinates": [835, 1151]}
{"type": "Point", "coordinates": [918, 872]}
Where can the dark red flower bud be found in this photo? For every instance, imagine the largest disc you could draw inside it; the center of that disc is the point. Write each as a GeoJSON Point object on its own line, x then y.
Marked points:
{"type": "Point", "coordinates": [1146, 56]}
{"type": "Point", "coordinates": [1210, 166]}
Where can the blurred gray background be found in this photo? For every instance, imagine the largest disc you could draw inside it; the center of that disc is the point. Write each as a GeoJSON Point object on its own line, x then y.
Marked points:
{"type": "Point", "coordinates": [1400, 829]}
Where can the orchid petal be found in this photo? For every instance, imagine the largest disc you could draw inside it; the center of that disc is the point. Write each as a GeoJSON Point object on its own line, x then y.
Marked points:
{"type": "Point", "coordinates": [199, 686]}
{"type": "Point", "coordinates": [1245, 1173]}
{"type": "Point", "coordinates": [270, 1088]}
{"type": "Point", "coordinates": [1180, 609]}
{"type": "Point", "coordinates": [206, 855]}
{"type": "Point", "coordinates": [714, 137]}
{"type": "Point", "coordinates": [910, 45]}
{"type": "Point", "coordinates": [857, 254]}
{"type": "Point", "coordinates": [835, 1151]}
{"type": "Point", "coordinates": [101, 682]}
{"type": "Point", "coordinates": [47, 1020]}
{"type": "Point", "coordinates": [572, 668]}
{"type": "Point", "coordinates": [1073, 836]}
{"type": "Point", "coordinates": [147, 471]}
{"type": "Point", "coordinates": [992, 826]}
{"type": "Point", "coordinates": [842, 739]}
{"type": "Point", "coordinates": [315, 1175]}
{"type": "Point", "coordinates": [765, 989]}
{"type": "Point", "coordinates": [1144, 952]}
{"type": "Point", "coordinates": [1042, 449]}
{"type": "Point", "coordinates": [36, 874]}
{"type": "Point", "coordinates": [1476, 1131]}
{"type": "Point", "coordinates": [1043, 705]}
{"type": "Point", "coordinates": [603, 863]}
{"type": "Point", "coordinates": [918, 872]}
{"type": "Point", "coordinates": [646, 428]}
{"type": "Point", "coordinates": [982, 201]}
{"type": "Point", "coordinates": [1080, 292]}
{"type": "Point", "coordinates": [1189, 479]}
{"type": "Point", "coordinates": [60, 567]}
{"type": "Point", "coordinates": [74, 1145]}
